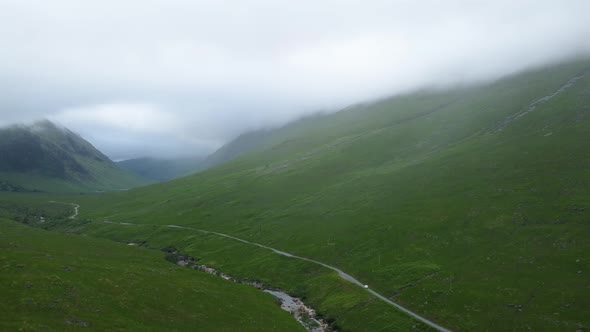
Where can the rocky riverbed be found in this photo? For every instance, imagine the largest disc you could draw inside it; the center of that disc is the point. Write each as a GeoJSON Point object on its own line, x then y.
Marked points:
{"type": "Point", "coordinates": [302, 312]}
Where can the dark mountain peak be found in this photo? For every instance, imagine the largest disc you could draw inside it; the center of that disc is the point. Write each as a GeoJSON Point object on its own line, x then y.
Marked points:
{"type": "Point", "coordinates": [46, 124]}
{"type": "Point", "coordinates": [47, 128]}
{"type": "Point", "coordinates": [46, 149]}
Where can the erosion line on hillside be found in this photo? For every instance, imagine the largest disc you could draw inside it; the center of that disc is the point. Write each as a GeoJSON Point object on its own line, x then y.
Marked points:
{"type": "Point", "coordinates": [532, 106]}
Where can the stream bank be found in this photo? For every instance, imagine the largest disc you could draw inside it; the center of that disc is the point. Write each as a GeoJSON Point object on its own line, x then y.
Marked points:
{"type": "Point", "coordinates": [303, 313]}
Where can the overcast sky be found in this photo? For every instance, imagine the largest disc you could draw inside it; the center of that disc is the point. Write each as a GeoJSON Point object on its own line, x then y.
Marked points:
{"type": "Point", "coordinates": [165, 78]}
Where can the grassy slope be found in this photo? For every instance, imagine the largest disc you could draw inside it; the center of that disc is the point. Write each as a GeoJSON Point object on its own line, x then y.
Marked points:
{"type": "Point", "coordinates": [354, 309]}
{"type": "Point", "coordinates": [53, 281]}
{"type": "Point", "coordinates": [422, 197]}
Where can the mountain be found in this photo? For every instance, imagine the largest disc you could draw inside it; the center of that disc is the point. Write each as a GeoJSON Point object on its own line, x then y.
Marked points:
{"type": "Point", "coordinates": [46, 157]}
{"type": "Point", "coordinates": [160, 170]}
{"type": "Point", "coordinates": [258, 140]}
{"type": "Point", "coordinates": [237, 147]}
{"type": "Point", "coordinates": [468, 206]}
{"type": "Point", "coordinates": [167, 169]}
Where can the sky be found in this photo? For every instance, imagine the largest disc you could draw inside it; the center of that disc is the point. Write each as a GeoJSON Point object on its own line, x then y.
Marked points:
{"type": "Point", "coordinates": [168, 78]}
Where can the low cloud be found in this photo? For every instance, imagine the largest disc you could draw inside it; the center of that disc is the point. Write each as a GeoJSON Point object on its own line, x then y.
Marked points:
{"type": "Point", "coordinates": [167, 78]}
{"type": "Point", "coordinates": [124, 127]}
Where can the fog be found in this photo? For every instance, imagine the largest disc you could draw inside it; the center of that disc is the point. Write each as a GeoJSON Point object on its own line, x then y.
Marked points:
{"type": "Point", "coordinates": [170, 78]}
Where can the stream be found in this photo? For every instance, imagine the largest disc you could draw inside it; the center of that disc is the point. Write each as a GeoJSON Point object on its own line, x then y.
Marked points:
{"type": "Point", "coordinates": [304, 314]}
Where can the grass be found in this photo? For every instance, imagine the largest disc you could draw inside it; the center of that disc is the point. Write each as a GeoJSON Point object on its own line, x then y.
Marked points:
{"type": "Point", "coordinates": [62, 282]}
{"type": "Point", "coordinates": [431, 199]}
{"type": "Point", "coordinates": [338, 301]}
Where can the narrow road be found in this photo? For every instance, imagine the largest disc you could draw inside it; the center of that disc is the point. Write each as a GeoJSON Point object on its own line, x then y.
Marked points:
{"type": "Point", "coordinates": [341, 273]}
{"type": "Point", "coordinates": [76, 208]}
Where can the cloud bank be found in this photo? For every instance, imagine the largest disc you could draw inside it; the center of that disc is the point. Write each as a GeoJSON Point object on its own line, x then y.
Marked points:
{"type": "Point", "coordinates": [169, 78]}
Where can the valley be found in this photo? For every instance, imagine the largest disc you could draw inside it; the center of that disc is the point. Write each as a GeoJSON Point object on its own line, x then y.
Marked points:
{"type": "Point", "coordinates": [462, 209]}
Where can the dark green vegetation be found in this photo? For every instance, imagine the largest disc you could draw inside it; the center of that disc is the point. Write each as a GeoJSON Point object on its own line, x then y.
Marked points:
{"type": "Point", "coordinates": [45, 157]}
{"type": "Point", "coordinates": [162, 169]}
{"type": "Point", "coordinates": [61, 282]}
{"type": "Point", "coordinates": [468, 206]}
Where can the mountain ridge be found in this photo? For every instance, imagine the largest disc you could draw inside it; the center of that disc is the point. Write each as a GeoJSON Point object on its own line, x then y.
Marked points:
{"type": "Point", "coordinates": [44, 156]}
{"type": "Point", "coordinates": [160, 170]}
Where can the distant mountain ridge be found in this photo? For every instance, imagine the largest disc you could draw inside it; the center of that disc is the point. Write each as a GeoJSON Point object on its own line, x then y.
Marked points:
{"type": "Point", "coordinates": [244, 143]}
{"type": "Point", "coordinates": [258, 140]}
{"type": "Point", "coordinates": [162, 169]}
{"type": "Point", "coordinates": [44, 156]}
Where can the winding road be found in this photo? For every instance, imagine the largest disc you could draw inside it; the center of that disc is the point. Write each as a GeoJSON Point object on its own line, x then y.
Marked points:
{"type": "Point", "coordinates": [76, 208]}
{"type": "Point", "coordinates": [341, 273]}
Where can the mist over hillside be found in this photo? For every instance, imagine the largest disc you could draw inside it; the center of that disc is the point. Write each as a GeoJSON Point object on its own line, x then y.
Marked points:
{"type": "Point", "coordinates": [376, 165]}
{"type": "Point", "coordinates": [176, 83]}
{"type": "Point", "coordinates": [466, 207]}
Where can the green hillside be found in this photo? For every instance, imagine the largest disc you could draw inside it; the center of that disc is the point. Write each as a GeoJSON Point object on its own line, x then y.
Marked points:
{"type": "Point", "coordinates": [342, 304]}
{"type": "Point", "coordinates": [61, 282]}
{"type": "Point", "coordinates": [46, 157]}
{"type": "Point", "coordinates": [247, 142]}
{"type": "Point", "coordinates": [468, 206]}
